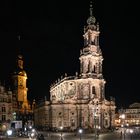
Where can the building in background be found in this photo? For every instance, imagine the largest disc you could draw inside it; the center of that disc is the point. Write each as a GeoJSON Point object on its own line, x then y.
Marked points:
{"type": "Point", "coordinates": [129, 116]}
{"type": "Point", "coordinates": [5, 108]}
{"type": "Point", "coordinates": [79, 101]}
{"type": "Point", "coordinates": [15, 109]}
{"type": "Point", "coordinates": [42, 115]}
{"type": "Point", "coordinates": [22, 108]}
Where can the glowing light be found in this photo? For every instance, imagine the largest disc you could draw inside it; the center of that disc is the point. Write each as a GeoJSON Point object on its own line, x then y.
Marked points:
{"type": "Point", "coordinates": [80, 131]}
{"type": "Point", "coordinates": [127, 124]}
{"type": "Point", "coordinates": [32, 134]}
{"type": "Point", "coordinates": [131, 131]}
{"type": "Point", "coordinates": [33, 130]}
{"type": "Point", "coordinates": [61, 127]}
{"type": "Point", "coordinates": [9, 132]}
{"type": "Point", "coordinates": [122, 125]}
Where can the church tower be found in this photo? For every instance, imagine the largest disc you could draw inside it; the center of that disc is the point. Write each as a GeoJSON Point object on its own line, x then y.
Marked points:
{"type": "Point", "coordinates": [91, 55]}
{"type": "Point", "coordinates": [19, 81]}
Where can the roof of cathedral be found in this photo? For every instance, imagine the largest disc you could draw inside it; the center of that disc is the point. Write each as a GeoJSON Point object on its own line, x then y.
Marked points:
{"type": "Point", "coordinates": [135, 105]}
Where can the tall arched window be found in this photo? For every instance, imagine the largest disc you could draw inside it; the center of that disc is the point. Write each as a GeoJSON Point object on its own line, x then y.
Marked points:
{"type": "Point", "coordinates": [93, 90]}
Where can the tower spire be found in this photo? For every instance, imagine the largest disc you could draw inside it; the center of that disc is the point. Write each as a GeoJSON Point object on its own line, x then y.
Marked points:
{"type": "Point", "coordinates": [19, 55]}
{"type": "Point", "coordinates": [91, 20]}
{"type": "Point", "coordinates": [91, 8]}
{"type": "Point", "coordinates": [19, 45]}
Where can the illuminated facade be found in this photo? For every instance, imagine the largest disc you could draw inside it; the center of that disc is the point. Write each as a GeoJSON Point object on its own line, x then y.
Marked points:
{"type": "Point", "coordinates": [5, 108]}
{"type": "Point", "coordinates": [20, 89]}
{"type": "Point", "coordinates": [131, 116]}
{"type": "Point", "coordinates": [79, 101]}
{"type": "Point", "coordinates": [42, 115]}
{"type": "Point", "coordinates": [21, 106]}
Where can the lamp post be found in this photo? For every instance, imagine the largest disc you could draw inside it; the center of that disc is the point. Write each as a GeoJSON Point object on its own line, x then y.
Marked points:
{"type": "Point", "coordinates": [80, 132]}
{"type": "Point", "coordinates": [95, 120]}
{"type": "Point", "coordinates": [61, 128]}
{"type": "Point", "coordinates": [9, 133]}
{"type": "Point", "coordinates": [131, 133]}
{"type": "Point", "coordinates": [95, 126]}
{"type": "Point", "coordinates": [122, 117]}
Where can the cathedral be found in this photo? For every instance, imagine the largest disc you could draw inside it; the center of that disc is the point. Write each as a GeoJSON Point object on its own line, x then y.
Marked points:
{"type": "Point", "coordinates": [79, 101]}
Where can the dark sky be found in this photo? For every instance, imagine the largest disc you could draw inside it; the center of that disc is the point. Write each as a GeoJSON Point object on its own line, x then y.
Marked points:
{"type": "Point", "coordinates": [51, 38]}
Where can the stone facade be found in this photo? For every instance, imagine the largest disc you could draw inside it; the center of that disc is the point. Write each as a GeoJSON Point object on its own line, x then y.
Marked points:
{"type": "Point", "coordinates": [5, 108]}
{"type": "Point", "coordinates": [79, 101]}
{"type": "Point", "coordinates": [42, 115]}
{"type": "Point", "coordinates": [131, 116]}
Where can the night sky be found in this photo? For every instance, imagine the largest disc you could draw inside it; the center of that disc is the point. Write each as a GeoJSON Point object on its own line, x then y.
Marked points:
{"type": "Point", "coordinates": [51, 38]}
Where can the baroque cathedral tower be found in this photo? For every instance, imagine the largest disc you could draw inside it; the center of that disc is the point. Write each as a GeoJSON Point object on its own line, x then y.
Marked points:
{"type": "Point", "coordinates": [91, 56]}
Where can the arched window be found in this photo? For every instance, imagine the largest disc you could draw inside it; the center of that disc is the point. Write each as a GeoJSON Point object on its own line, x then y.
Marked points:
{"type": "Point", "coordinates": [93, 90]}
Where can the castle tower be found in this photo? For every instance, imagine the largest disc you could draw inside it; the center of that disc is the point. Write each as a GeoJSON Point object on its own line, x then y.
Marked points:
{"type": "Point", "coordinates": [19, 81]}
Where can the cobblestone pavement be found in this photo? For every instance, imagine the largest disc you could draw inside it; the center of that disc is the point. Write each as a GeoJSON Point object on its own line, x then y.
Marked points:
{"type": "Point", "coordinates": [72, 136]}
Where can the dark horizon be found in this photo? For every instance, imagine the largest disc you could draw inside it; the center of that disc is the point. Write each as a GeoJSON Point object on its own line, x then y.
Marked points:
{"type": "Point", "coordinates": [51, 39]}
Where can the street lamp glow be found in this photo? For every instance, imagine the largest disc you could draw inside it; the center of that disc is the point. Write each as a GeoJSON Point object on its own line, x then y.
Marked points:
{"type": "Point", "coordinates": [122, 125]}
{"type": "Point", "coordinates": [80, 131]}
{"type": "Point", "coordinates": [33, 130]}
{"type": "Point", "coordinates": [9, 132]}
{"type": "Point", "coordinates": [32, 134]}
{"type": "Point", "coordinates": [122, 116]}
{"type": "Point", "coordinates": [131, 131]}
{"type": "Point", "coordinates": [127, 124]}
{"type": "Point", "coordinates": [61, 127]}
